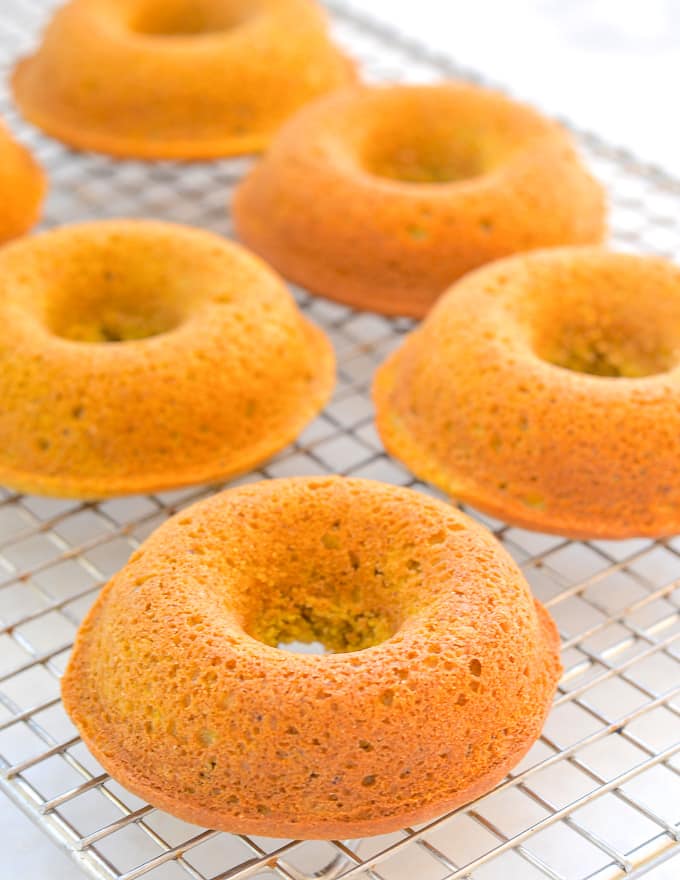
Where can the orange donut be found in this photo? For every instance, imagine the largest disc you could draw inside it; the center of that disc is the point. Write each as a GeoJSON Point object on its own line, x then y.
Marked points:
{"type": "Point", "coordinates": [449, 665]}
{"type": "Point", "coordinates": [545, 390]}
{"type": "Point", "coordinates": [22, 187]}
{"type": "Point", "coordinates": [181, 79]}
{"type": "Point", "coordinates": [381, 197]}
{"type": "Point", "coordinates": [138, 355]}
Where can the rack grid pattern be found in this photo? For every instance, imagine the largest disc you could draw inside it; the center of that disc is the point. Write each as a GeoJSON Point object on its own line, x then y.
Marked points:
{"type": "Point", "coordinates": [597, 798]}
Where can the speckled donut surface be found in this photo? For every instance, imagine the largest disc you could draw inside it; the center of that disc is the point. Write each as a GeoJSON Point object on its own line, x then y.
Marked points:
{"type": "Point", "coordinates": [22, 187]}
{"type": "Point", "coordinates": [382, 196]}
{"type": "Point", "coordinates": [177, 688]}
{"type": "Point", "coordinates": [139, 355]}
{"type": "Point", "coordinates": [545, 390]}
{"type": "Point", "coordinates": [180, 79]}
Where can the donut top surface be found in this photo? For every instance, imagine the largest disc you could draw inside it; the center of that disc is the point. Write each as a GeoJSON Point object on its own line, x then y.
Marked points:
{"type": "Point", "coordinates": [140, 354]}
{"type": "Point", "coordinates": [420, 184]}
{"type": "Point", "coordinates": [447, 670]}
{"type": "Point", "coordinates": [545, 389]}
{"type": "Point", "coordinates": [177, 78]}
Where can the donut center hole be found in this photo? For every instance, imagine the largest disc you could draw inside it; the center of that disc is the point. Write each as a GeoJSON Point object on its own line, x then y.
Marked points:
{"type": "Point", "coordinates": [611, 344]}
{"type": "Point", "coordinates": [321, 623]}
{"type": "Point", "coordinates": [112, 311]}
{"type": "Point", "coordinates": [430, 135]}
{"type": "Point", "coordinates": [420, 158]}
{"type": "Point", "coordinates": [597, 355]}
{"type": "Point", "coordinates": [325, 590]}
{"type": "Point", "coordinates": [186, 18]}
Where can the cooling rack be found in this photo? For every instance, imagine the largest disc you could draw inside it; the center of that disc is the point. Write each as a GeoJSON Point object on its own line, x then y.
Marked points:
{"type": "Point", "coordinates": [597, 798]}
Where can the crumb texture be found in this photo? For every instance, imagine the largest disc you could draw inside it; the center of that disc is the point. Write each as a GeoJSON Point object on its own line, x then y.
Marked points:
{"type": "Point", "coordinates": [546, 390]}
{"type": "Point", "coordinates": [382, 196]}
{"type": "Point", "coordinates": [444, 671]}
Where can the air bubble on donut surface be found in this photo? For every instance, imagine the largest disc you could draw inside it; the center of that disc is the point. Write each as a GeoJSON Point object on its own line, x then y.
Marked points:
{"type": "Point", "coordinates": [417, 232]}
{"type": "Point", "coordinates": [209, 766]}
{"type": "Point", "coordinates": [208, 737]}
{"type": "Point", "coordinates": [367, 781]}
{"type": "Point", "coordinates": [387, 697]}
{"type": "Point", "coordinates": [534, 499]}
{"type": "Point", "coordinates": [330, 541]}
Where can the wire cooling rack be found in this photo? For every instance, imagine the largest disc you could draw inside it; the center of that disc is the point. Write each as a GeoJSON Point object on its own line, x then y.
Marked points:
{"type": "Point", "coordinates": [599, 794]}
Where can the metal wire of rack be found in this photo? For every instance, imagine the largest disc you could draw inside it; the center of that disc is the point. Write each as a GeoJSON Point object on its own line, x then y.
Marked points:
{"type": "Point", "coordinates": [597, 798]}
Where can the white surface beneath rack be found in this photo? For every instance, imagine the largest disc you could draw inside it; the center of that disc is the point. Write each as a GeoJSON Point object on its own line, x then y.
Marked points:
{"type": "Point", "coordinates": [598, 797]}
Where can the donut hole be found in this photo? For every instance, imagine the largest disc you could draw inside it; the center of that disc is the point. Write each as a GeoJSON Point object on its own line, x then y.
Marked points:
{"type": "Point", "coordinates": [338, 620]}
{"type": "Point", "coordinates": [608, 331]}
{"type": "Point", "coordinates": [311, 582]}
{"type": "Point", "coordinates": [186, 18]}
{"type": "Point", "coordinates": [96, 317]}
{"type": "Point", "coordinates": [608, 352]}
{"type": "Point", "coordinates": [117, 289]}
{"type": "Point", "coordinates": [426, 157]}
{"type": "Point", "coordinates": [430, 135]}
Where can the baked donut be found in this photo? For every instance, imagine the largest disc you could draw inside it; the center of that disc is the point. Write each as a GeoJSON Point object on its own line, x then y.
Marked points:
{"type": "Point", "coordinates": [545, 390]}
{"type": "Point", "coordinates": [179, 79]}
{"type": "Point", "coordinates": [446, 672]}
{"type": "Point", "coordinates": [381, 197]}
{"type": "Point", "coordinates": [22, 187]}
{"type": "Point", "coordinates": [138, 355]}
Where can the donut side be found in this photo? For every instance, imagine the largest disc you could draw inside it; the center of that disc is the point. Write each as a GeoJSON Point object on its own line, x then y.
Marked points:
{"type": "Point", "coordinates": [22, 188]}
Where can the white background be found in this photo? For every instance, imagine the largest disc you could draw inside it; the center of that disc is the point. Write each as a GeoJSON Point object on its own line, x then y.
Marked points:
{"type": "Point", "coordinates": [612, 66]}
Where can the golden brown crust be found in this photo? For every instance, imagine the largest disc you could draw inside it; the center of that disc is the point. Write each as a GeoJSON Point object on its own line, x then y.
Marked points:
{"type": "Point", "coordinates": [181, 703]}
{"type": "Point", "coordinates": [232, 374]}
{"type": "Point", "coordinates": [177, 79]}
{"type": "Point", "coordinates": [381, 197]}
{"type": "Point", "coordinates": [545, 390]}
{"type": "Point", "coordinates": [22, 188]}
